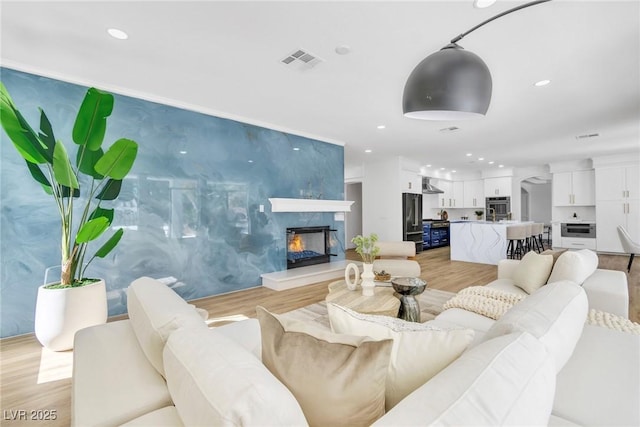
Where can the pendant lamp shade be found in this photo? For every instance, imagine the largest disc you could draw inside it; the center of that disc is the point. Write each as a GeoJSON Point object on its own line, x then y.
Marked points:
{"type": "Point", "coordinates": [451, 84]}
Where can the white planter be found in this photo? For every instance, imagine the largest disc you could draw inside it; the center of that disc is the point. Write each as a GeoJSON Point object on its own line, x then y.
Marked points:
{"type": "Point", "coordinates": [60, 313]}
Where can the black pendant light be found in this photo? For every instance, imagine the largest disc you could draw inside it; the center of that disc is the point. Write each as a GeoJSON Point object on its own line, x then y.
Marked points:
{"type": "Point", "coordinates": [451, 84]}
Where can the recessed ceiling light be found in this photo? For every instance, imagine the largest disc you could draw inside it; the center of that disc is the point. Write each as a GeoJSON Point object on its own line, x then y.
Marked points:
{"type": "Point", "coordinates": [542, 83]}
{"type": "Point", "coordinates": [183, 152]}
{"type": "Point", "coordinates": [117, 34]}
{"type": "Point", "coordinates": [453, 171]}
{"type": "Point", "coordinates": [428, 166]}
{"type": "Point", "coordinates": [250, 161]}
{"type": "Point", "coordinates": [481, 4]}
{"type": "Point", "coordinates": [469, 154]}
{"type": "Point", "coordinates": [442, 169]}
{"type": "Point", "coordinates": [381, 126]}
{"type": "Point", "coordinates": [500, 166]}
{"type": "Point", "coordinates": [480, 158]}
{"type": "Point", "coordinates": [491, 162]}
{"type": "Point", "coordinates": [296, 149]}
{"type": "Point", "coordinates": [343, 49]}
{"type": "Point", "coordinates": [367, 151]}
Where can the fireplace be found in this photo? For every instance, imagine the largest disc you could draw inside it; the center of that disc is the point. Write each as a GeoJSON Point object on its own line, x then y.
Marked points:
{"type": "Point", "coordinates": [308, 246]}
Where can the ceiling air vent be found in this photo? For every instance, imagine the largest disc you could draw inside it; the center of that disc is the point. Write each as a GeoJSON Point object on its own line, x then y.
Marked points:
{"type": "Point", "coordinates": [587, 136]}
{"type": "Point", "coordinates": [301, 59]}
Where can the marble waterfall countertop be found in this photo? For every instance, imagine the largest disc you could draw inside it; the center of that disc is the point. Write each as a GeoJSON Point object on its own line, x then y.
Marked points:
{"type": "Point", "coordinates": [484, 242]}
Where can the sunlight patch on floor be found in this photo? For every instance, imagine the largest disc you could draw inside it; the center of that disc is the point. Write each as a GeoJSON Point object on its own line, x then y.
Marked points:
{"type": "Point", "coordinates": [226, 319]}
{"type": "Point", "coordinates": [55, 365]}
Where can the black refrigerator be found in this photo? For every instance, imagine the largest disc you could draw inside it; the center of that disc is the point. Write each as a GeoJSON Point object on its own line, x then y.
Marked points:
{"type": "Point", "coordinates": [412, 215]}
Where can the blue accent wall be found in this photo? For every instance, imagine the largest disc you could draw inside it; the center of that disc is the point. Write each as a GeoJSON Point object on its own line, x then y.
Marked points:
{"type": "Point", "coordinates": [190, 206]}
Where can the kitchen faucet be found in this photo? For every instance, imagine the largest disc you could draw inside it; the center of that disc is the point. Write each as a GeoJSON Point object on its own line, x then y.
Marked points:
{"type": "Point", "coordinates": [493, 214]}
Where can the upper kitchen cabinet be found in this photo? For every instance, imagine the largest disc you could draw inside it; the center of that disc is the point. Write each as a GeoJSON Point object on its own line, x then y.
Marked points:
{"type": "Point", "coordinates": [618, 183]}
{"type": "Point", "coordinates": [574, 188]}
{"type": "Point", "coordinates": [410, 182]}
{"type": "Point", "coordinates": [497, 187]}
{"type": "Point", "coordinates": [444, 198]}
{"type": "Point", "coordinates": [474, 194]}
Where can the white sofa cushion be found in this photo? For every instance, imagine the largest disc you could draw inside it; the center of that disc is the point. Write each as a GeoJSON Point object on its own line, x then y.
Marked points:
{"type": "Point", "coordinates": [555, 314]}
{"type": "Point", "coordinates": [419, 350]}
{"type": "Point", "coordinates": [600, 385]}
{"type": "Point", "coordinates": [113, 381]}
{"type": "Point", "coordinates": [575, 266]}
{"type": "Point", "coordinates": [508, 380]}
{"type": "Point", "coordinates": [246, 333]}
{"type": "Point", "coordinates": [533, 271]}
{"type": "Point", "coordinates": [214, 381]}
{"type": "Point", "coordinates": [337, 379]}
{"type": "Point", "coordinates": [165, 417]}
{"type": "Point", "coordinates": [155, 312]}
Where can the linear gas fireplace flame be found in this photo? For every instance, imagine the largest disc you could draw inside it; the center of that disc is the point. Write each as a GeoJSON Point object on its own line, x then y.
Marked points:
{"type": "Point", "coordinates": [308, 246]}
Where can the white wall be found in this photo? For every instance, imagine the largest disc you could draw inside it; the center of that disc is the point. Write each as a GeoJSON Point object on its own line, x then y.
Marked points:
{"type": "Point", "coordinates": [382, 199]}
{"type": "Point", "coordinates": [353, 219]}
{"type": "Point", "coordinates": [539, 202]}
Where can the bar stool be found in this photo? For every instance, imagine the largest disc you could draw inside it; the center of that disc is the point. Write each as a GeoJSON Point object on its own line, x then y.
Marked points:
{"type": "Point", "coordinates": [517, 236]}
{"type": "Point", "coordinates": [527, 240]}
{"type": "Point", "coordinates": [536, 237]}
{"type": "Point", "coordinates": [547, 229]}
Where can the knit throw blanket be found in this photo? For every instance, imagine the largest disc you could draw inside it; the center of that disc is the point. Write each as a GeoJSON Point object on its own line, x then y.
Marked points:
{"type": "Point", "coordinates": [494, 303]}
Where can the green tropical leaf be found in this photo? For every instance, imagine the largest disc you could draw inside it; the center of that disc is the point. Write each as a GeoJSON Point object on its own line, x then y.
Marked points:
{"type": "Point", "coordinates": [111, 190]}
{"type": "Point", "coordinates": [62, 171]}
{"type": "Point", "coordinates": [110, 244]}
{"type": "Point", "coordinates": [100, 212]}
{"type": "Point", "coordinates": [19, 132]}
{"type": "Point", "coordinates": [46, 134]}
{"type": "Point", "coordinates": [66, 191]}
{"type": "Point", "coordinates": [86, 161]}
{"type": "Point", "coordinates": [91, 121]}
{"type": "Point", "coordinates": [92, 229]}
{"type": "Point", "coordinates": [118, 160]}
{"type": "Point", "coordinates": [39, 176]}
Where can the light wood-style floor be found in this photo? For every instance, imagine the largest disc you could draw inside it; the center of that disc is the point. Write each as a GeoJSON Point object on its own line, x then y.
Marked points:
{"type": "Point", "coordinates": [35, 379]}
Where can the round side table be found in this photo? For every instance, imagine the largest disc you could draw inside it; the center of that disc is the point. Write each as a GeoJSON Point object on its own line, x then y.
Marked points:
{"type": "Point", "coordinates": [382, 303]}
{"type": "Point", "coordinates": [408, 288]}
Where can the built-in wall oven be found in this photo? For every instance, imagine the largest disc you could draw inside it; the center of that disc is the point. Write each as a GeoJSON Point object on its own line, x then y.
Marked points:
{"type": "Point", "coordinates": [501, 206]}
{"type": "Point", "coordinates": [579, 229]}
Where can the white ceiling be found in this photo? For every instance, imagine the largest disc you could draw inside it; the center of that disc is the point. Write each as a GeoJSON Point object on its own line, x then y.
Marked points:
{"type": "Point", "coordinates": [224, 58]}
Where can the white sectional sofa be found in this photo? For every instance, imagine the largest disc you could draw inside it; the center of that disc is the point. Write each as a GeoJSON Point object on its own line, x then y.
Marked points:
{"type": "Point", "coordinates": [539, 364]}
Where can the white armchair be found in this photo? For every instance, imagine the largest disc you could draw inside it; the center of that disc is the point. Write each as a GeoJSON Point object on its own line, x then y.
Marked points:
{"type": "Point", "coordinates": [630, 247]}
{"type": "Point", "coordinates": [398, 259]}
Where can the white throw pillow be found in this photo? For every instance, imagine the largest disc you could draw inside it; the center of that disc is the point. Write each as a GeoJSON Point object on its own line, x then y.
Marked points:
{"type": "Point", "coordinates": [507, 381]}
{"type": "Point", "coordinates": [532, 271]}
{"type": "Point", "coordinates": [419, 351]}
{"type": "Point", "coordinates": [554, 314]}
{"type": "Point", "coordinates": [155, 311]}
{"type": "Point", "coordinates": [213, 381]}
{"type": "Point", "coordinates": [575, 266]}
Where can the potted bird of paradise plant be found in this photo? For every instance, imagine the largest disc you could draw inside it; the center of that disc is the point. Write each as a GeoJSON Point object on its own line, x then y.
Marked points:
{"type": "Point", "coordinates": [75, 301]}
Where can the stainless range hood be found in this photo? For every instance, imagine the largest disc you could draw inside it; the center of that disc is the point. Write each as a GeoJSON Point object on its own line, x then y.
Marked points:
{"type": "Point", "coordinates": [427, 188]}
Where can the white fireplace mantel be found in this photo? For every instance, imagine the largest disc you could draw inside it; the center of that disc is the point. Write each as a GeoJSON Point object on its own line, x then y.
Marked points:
{"type": "Point", "coordinates": [309, 205]}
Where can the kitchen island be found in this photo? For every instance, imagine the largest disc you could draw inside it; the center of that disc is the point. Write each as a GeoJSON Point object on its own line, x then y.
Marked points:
{"type": "Point", "coordinates": [483, 242]}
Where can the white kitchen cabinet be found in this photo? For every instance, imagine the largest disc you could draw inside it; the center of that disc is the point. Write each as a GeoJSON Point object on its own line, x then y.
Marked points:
{"type": "Point", "coordinates": [578, 243]}
{"type": "Point", "coordinates": [456, 198]}
{"type": "Point", "coordinates": [410, 182]}
{"type": "Point", "coordinates": [444, 198]}
{"type": "Point", "coordinates": [618, 203]}
{"type": "Point", "coordinates": [494, 187]}
{"type": "Point", "coordinates": [474, 194]}
{"type": "Point", "coordinates": [574, 188]}
{"type": "Point", "coordinates": [618, 183]}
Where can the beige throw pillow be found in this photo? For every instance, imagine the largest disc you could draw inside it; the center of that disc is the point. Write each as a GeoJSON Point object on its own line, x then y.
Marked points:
{"type": "Point", "coordinates": [533, 271]}
{"type": "Point", "coordinates": [575, 266]}
{"type": "Point", "coordinates": [419, 351]}
{"type": "Point", "coordinates": [338, 380]}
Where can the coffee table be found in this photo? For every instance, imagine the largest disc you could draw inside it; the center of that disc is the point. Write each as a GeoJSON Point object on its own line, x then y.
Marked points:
{"type": "Point", "coordinates": [382, 303]}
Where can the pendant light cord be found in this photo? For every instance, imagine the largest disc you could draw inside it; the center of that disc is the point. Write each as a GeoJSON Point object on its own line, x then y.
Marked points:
{"type": "Point", "coordinates": [533, 3]}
